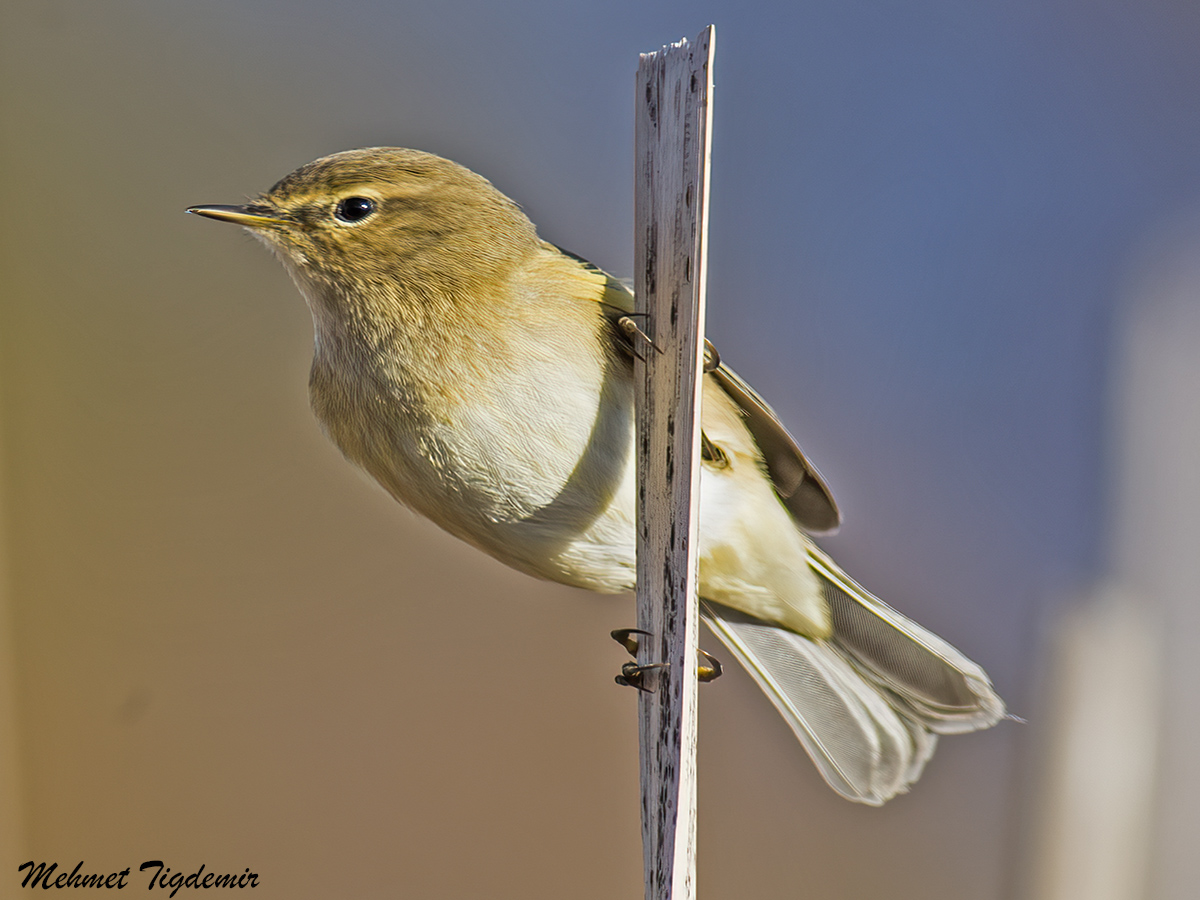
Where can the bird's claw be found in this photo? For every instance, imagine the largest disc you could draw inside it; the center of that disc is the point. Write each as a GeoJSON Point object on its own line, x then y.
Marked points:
{"type": "Point", "coordinates": [633, 675]}
{"type": "Point", "coordinates": [712, 671]}
{"type": "Point", "coordinates": [625, 637]}
{"type": "Point", "coordinates": [633, 331]}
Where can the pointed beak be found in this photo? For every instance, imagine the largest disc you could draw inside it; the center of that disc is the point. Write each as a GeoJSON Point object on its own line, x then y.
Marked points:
{"type": "Point", "coordinates": [251, 217]}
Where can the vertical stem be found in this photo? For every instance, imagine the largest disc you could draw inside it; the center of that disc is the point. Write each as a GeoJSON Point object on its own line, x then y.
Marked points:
{"type": "Point", "coordinates": [674, 114]}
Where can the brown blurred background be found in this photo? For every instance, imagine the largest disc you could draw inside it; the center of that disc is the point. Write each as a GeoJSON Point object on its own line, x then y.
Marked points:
{"type": "Point", "coordinates": [221, 645]}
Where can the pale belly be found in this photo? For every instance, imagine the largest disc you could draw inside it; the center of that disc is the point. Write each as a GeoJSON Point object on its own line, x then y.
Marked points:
{"type": "Point", "coordinates": [548, 487]}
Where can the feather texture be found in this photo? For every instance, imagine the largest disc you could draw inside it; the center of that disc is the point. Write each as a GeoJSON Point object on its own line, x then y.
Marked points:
{"type": "Point", "coordinates": [868, 702]}
{"type": "Point", "coordinates": [484, 377]}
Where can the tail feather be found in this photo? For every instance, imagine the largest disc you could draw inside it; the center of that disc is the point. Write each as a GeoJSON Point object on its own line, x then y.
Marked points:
{"type": "Point", "coordinates": [869, 702]}
{"type": "Point", "coordinates": [935, 683]}
{"type": "Point", "coordinates": [863, 748]}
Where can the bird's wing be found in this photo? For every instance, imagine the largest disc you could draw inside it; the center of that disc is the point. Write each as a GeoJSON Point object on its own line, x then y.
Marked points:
{"type": "Point", "coordinates": [613, 293]}
{"type": "Point", "coordinates": [796, 480]}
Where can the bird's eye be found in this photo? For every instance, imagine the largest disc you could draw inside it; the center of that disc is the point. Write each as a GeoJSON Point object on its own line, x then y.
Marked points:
{"type": "Point", "coordinates": [354, 209]}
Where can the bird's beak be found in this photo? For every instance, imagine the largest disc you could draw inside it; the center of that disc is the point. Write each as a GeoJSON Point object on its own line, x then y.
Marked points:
{"type": "Point", "coordinates": [249, 216]}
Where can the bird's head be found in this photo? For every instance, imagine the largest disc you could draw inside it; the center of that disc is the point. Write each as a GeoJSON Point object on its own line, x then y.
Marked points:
{"type": "Point", "coordinates": [387, 218]}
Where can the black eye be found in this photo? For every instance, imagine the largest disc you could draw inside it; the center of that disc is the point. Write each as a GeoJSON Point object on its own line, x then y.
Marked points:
{"type": "Point", "coordinates": [354, 209]}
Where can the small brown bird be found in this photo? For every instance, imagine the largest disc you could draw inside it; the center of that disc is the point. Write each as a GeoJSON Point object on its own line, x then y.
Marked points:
{"type": "Point", "coordinates": [481, 375]}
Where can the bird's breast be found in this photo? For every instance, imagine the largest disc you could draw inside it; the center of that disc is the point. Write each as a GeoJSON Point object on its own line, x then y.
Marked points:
{"type": "Point", "coordinates": [528, 458]}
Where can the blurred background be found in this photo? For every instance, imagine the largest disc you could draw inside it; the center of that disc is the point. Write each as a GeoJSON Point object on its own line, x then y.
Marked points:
{"type": "Point", "coordinates": [954, 244]}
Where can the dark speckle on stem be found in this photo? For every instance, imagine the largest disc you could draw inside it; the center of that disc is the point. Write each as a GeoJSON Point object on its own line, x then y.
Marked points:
{"type": "Point", "coordinates": [651, 258]}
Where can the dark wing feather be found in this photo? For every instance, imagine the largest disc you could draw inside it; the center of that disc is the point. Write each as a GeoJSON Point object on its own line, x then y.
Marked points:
{"type": "Point", "coordinates": [797, 481]}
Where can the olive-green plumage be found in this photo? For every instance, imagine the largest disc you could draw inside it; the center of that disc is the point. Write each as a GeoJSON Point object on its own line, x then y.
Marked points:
{"type": "Point", "coordinates": [480, 375]}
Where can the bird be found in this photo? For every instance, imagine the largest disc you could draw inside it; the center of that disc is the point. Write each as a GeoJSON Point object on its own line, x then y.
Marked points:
{"type": "Point", "coordinates": [484, 378]}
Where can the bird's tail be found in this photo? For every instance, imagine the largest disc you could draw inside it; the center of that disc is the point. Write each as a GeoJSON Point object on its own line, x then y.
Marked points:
{"type": "Point", "coordinates": [869, 702]}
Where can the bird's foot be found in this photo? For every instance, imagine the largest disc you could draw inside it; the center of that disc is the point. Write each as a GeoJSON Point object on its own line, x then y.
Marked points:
{"type": "Point", "coordinates": [633, 675]}
{"type": "Point", "coordinates": [633, 333]}
{"type": "Point", "coordinates": [711, 672]}
{"type": "Point", "coordinates": [625, 637]}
